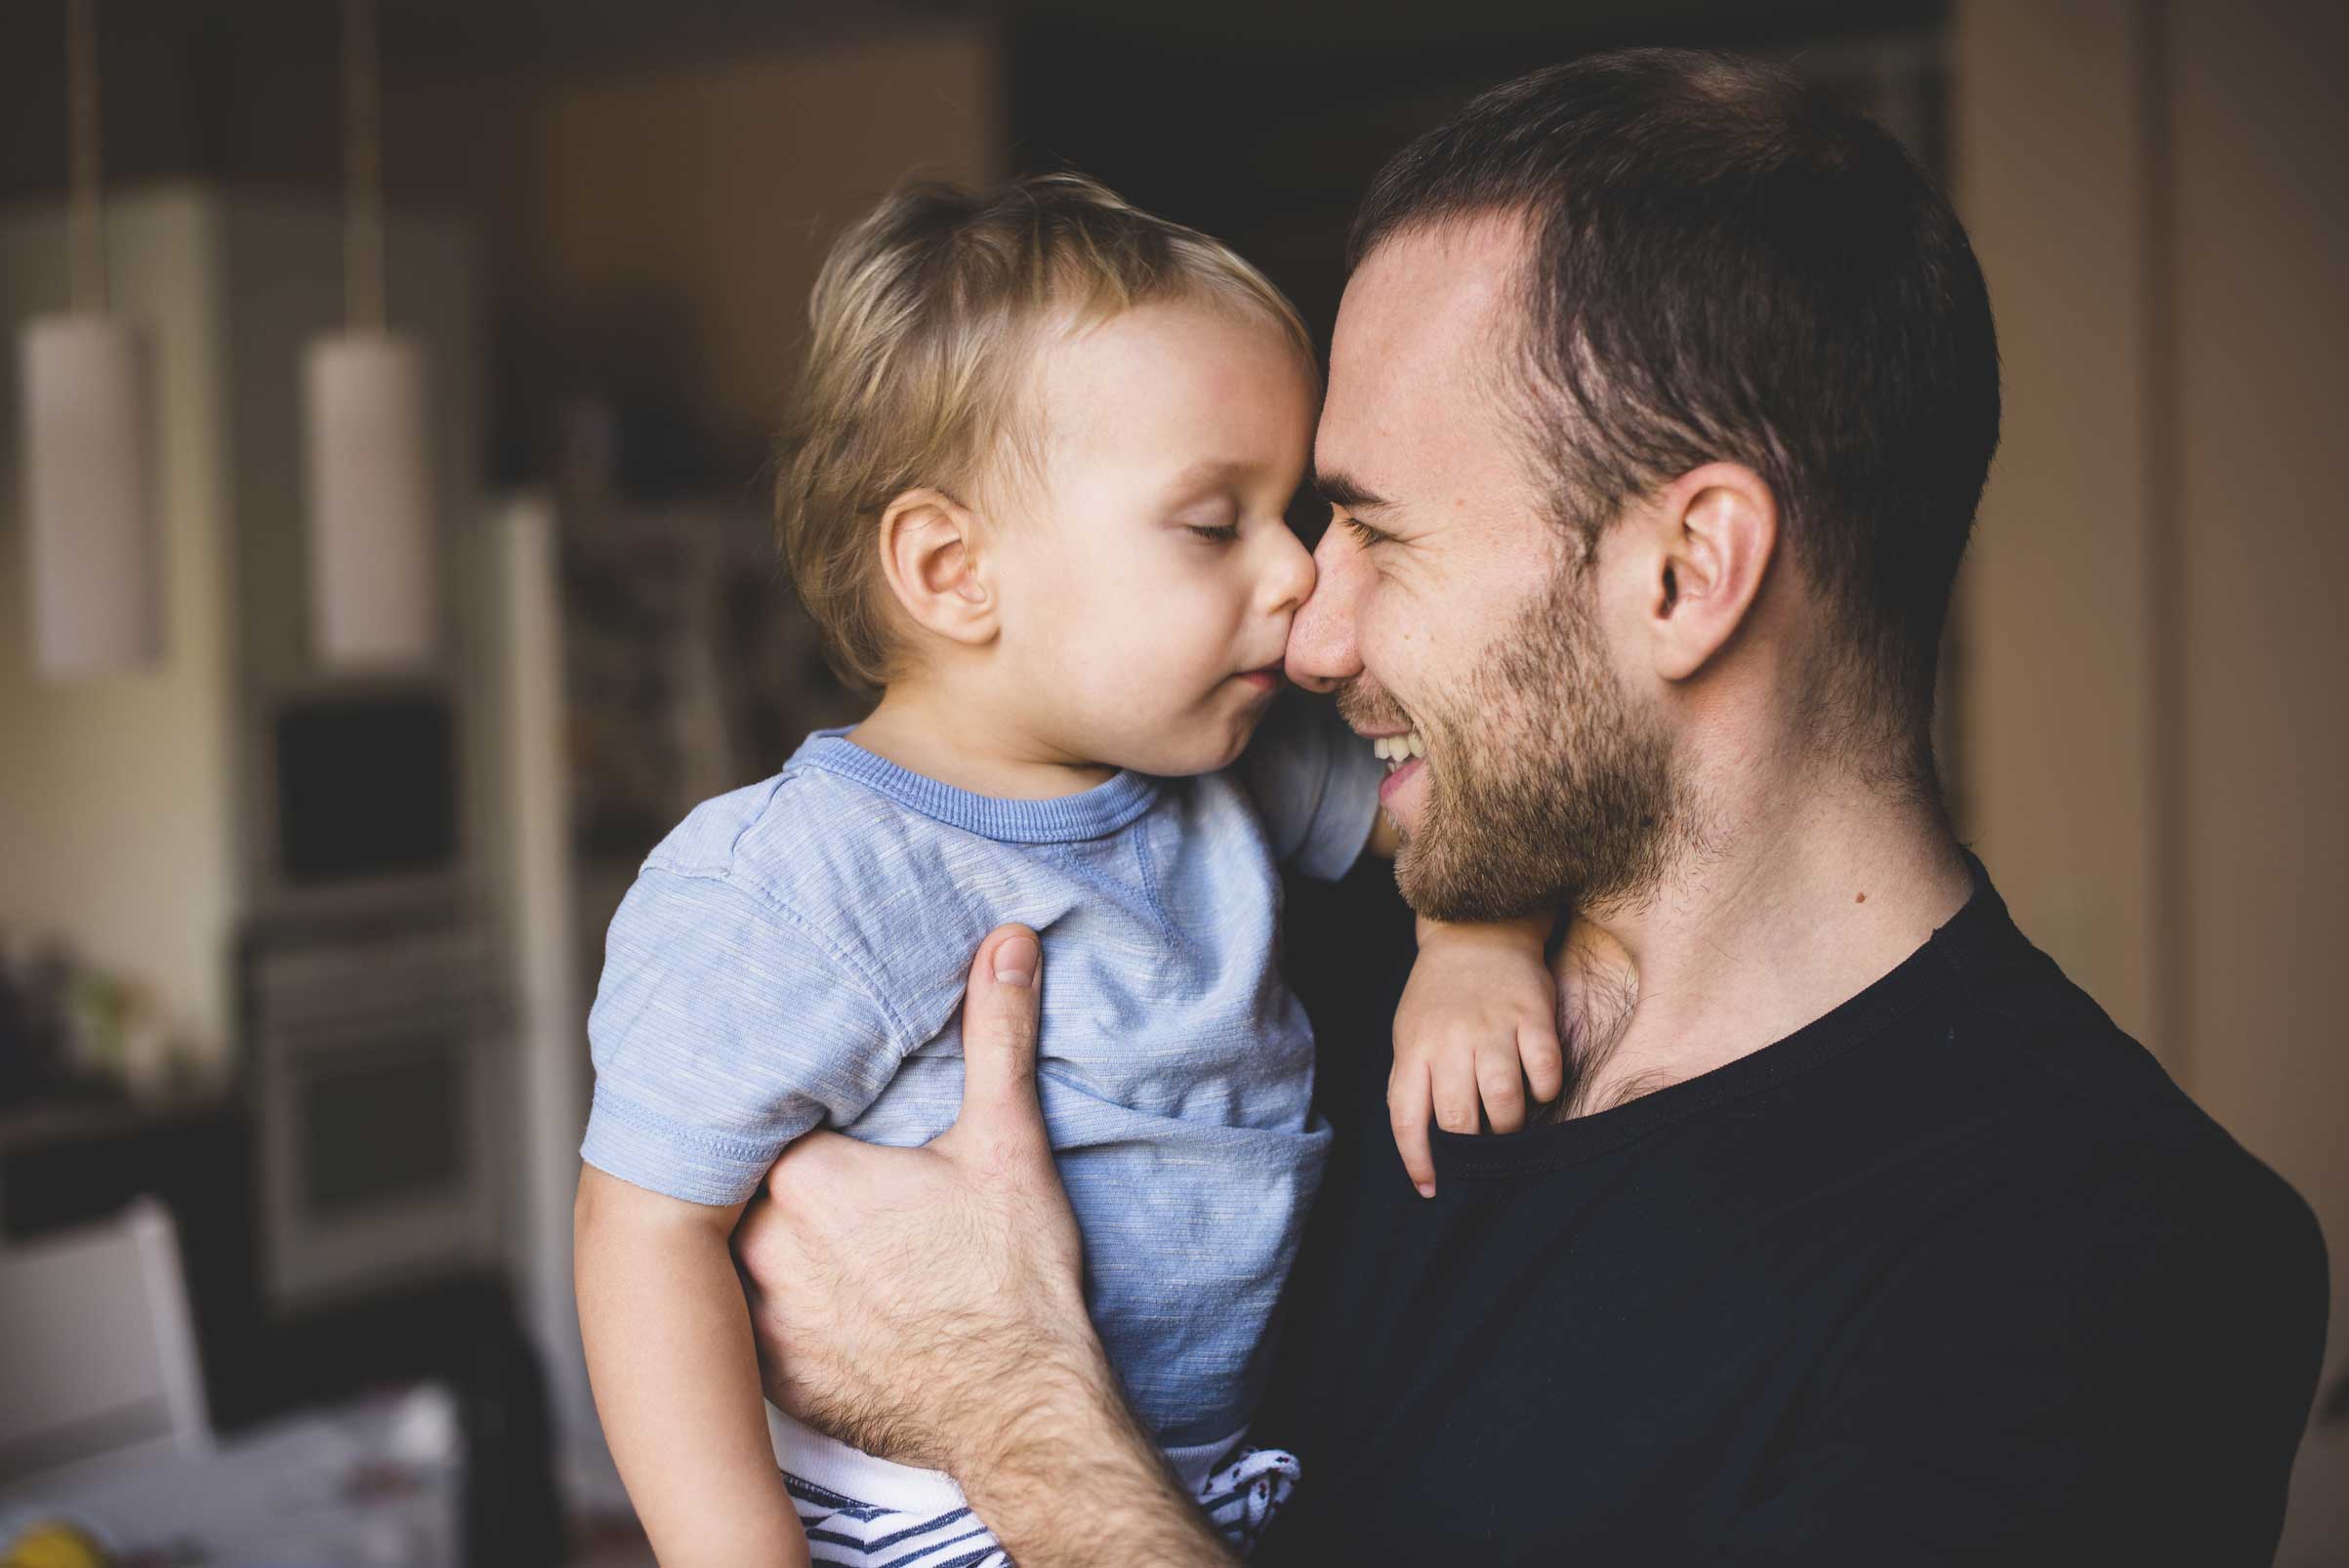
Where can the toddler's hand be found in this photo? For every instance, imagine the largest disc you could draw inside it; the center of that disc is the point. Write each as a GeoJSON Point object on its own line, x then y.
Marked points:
{"type": "Point", "coordinates": [1478, 1021]}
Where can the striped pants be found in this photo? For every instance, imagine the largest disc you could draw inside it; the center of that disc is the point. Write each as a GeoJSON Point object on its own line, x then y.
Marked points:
{"type": "Point", "coordinates": [1240, 1497]}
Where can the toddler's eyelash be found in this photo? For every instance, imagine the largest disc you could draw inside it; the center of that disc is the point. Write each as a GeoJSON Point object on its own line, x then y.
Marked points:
{"type": "Point", "coordinates": [1223, 534]}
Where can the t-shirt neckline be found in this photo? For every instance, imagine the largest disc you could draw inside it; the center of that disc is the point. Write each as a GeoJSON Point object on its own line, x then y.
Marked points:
{"type": "Point", "coordinates": [1090, 813]}
{"type": "Point", "coordinates": [1927, 974]}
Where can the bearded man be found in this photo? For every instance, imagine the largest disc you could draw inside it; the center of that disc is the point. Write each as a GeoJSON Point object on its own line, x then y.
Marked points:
{"type": "Point", "coordinates": [1660, 404]}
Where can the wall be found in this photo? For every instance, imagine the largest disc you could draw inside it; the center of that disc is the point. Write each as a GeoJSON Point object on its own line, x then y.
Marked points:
{"type": "Point", "coordinates": [141, 880]}
{"type": "Point", "coordinates": [656, 233]}
{"type": "Point", "coordinates": [2262, 238]}
{"type": "Point", "coordinates": [2155, 741]}
{"type": "Point", "coordinates": [2058, 729]}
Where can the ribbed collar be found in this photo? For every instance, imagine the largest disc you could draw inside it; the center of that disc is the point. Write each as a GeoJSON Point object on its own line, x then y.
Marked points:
{"type": "Point", "coordinates": [1092, 813]}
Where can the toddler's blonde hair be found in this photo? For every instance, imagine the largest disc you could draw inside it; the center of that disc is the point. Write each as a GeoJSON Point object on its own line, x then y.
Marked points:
{"type": "Point", "coordinates": [926, 317]}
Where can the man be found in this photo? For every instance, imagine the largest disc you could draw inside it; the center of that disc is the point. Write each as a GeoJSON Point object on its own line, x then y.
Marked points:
{"type": "Point", "coordinates": [1660, 404]}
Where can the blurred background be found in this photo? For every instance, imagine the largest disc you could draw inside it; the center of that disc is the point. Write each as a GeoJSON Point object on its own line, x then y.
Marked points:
{"type": "Point", "coordinates": [312, 811]}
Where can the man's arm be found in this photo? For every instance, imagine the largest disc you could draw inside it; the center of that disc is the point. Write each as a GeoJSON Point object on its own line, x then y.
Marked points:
{"type": "Point", "coordinates": [928, 1305]}
{"type": "Point", "coordinates": [1130, 1507]}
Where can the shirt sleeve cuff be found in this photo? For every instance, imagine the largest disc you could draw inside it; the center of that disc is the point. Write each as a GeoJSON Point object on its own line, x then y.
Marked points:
{"type": "Point", "coordinates": [647, 1150]}
{"type": "Point", "coordinates": [1342, 821]}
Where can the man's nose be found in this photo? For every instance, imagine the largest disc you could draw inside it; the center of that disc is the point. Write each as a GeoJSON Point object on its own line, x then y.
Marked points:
{"type": "Point", "coordinates": [1321, 656]}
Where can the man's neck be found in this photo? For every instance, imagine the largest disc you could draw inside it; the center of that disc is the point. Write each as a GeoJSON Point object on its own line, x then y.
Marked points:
{"type": "Point", "coordinates": [1781, 919]}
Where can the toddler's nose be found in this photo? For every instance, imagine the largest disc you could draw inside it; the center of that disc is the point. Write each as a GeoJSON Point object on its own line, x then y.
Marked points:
{"type": "Point", "coordinates": [1288, 579]}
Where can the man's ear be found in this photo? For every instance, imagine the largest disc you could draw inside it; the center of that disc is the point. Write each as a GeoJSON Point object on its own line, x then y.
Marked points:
{"type": "Point", "coordinates": [931, 554]}
{"type": "Point", "coordinates": [1719, 527]}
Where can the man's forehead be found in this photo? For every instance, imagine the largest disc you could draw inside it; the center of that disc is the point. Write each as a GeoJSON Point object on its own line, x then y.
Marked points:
{"type": "Point", "coordinates": [1417, 338]}
{"type": "Point", "coordinates": [1426, 285]}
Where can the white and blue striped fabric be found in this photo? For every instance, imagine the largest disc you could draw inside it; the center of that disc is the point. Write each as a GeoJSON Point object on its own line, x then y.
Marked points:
{"type": "Point", "coordinates": [926, 1524]}
{"type": "Point", "coordinates": [792, 955]}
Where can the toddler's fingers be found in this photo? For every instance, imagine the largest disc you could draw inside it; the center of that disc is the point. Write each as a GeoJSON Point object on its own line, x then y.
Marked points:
{"type": "Point", "coordinates": [1502, 1082]}
{"type": "Point", "coordinates": [1406, 1114]}
{"type": "Point", "coordinates": [1544, 1063]}
{"type": "Point", "coordinates": [1454, 1079]}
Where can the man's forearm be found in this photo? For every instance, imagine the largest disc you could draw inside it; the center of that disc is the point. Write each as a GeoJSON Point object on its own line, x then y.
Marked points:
{"type": "Point", "coordinates": [1071, 1479]}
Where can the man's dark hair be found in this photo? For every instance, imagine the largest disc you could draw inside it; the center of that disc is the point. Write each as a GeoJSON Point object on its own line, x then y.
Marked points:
{"type": "Point", "coordinates": [1726, 266]}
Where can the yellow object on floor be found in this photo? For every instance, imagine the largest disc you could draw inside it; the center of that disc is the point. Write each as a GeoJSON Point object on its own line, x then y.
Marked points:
{"type": "Point", "coordinates": [54, 1544]}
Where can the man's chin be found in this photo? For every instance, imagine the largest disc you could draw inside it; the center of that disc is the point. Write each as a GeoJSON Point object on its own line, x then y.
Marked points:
{"type": "Point", "coordinates": [1438, 888]}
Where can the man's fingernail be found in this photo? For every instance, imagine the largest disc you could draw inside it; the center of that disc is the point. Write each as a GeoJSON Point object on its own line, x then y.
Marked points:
{"type": "Point", "coordinates": [1426, 1189]}
{"type": "Point", "coordinates": [1015, 962]}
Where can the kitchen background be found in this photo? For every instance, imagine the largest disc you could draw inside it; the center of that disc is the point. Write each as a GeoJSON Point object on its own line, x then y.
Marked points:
{"type": "Point", "coordinates": [302, 946]}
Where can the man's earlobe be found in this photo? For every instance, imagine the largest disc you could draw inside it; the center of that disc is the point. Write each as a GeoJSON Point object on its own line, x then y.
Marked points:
{"type": "Point", "coordinates": [933, 556]}
{"type": "Point", "coordinates": [1722, 530]}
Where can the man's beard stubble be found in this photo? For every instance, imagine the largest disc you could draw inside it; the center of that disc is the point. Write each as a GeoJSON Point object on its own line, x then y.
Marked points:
{"type": "Point", "coordinates": [1548, 789]}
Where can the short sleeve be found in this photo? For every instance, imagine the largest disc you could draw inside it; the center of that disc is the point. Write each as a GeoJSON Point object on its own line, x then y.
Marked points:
{"type": "Point", "coordinates": [1315, 782]}
{"type": "Point", "coordinates": [724, 1026]}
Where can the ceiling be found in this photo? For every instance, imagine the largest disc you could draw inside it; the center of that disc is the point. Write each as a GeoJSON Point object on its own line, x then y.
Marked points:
{"type": "Point", "coordinates": [509, 33]}
{"type": "Point", "coordinates": [230, 89]}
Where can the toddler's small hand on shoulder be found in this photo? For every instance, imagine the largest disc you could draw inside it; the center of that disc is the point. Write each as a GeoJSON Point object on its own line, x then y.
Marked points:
{"type": "Point", "coordinates": [1476, 1030]}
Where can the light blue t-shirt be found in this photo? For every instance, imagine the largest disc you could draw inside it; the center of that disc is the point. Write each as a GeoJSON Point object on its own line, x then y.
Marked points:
{"type": "Point", "coordinates": [793, 954]}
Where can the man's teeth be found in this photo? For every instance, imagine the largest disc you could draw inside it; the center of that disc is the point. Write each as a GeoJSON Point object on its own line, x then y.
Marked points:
{"type": "Point", "coordinates": [1396, 750]}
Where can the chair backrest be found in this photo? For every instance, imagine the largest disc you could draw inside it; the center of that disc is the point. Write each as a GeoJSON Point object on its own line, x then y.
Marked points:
{"type": "Point", "coordinates": [98, 1357]}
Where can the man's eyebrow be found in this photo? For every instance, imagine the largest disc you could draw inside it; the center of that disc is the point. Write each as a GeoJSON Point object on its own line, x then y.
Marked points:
{"type": "Point", "coordinates": [1341, 489]}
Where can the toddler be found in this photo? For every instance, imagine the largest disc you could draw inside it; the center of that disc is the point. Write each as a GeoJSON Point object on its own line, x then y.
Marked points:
{"type": "Point", "coordinates": [1037, 496]}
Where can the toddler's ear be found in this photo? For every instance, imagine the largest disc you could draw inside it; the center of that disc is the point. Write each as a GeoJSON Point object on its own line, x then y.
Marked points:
{"type": "Point", "coordinates": [929, 553]}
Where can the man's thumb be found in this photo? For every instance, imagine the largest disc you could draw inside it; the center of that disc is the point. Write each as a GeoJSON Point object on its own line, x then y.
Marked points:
{"type": "Point", "coordinates": [999, 1033]}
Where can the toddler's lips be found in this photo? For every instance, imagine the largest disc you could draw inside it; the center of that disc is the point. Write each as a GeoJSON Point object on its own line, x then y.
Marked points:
{"type": "Point", "coordinates": [1268, 678]}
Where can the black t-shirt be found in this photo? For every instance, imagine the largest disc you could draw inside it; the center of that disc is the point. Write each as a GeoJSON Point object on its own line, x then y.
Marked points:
{"type": "Point", "coordinates": [1955, 1274]}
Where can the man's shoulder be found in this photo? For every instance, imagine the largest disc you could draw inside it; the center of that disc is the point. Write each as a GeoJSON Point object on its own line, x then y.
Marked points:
{"type": "Point", "coordinates": [2098, 1147]}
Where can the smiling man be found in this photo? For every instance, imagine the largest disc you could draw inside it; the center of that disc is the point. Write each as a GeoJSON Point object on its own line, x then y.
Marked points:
{"type": "Point", "coordinates": [1660, 403]}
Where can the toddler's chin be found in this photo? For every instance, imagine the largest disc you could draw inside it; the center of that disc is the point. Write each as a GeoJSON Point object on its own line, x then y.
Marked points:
{"type": "Point", "coordinates": [1188, 756]}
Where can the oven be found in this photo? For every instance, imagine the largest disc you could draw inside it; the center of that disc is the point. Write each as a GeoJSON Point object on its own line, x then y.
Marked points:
{"type": "Point", "coordinates": [369, 985]}
{"type": "Point", "coordinates": [375, 1079]}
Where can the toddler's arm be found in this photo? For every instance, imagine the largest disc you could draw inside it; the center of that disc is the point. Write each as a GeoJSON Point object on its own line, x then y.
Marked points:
{"type": "Point", "coordinates": [677, 1380]}
{"type": "Point", "coordinates": [1478, 1020]}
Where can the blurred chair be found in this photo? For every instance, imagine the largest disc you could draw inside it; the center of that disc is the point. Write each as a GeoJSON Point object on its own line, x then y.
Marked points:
{"type": "Point", "coordinates": [98, 1356]}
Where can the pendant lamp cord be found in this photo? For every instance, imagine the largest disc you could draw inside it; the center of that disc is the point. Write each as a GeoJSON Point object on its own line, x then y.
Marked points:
{"type": "Point", "coordinates": [362, 170]}
{"type": "Point", "coordinates": [85, 240]}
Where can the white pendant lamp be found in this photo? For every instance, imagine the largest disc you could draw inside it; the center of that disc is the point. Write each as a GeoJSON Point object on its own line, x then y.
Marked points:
{"type": "Point", "coordinates": [372, 561]}
{"type": "Point", "coordinates": [88, 480]}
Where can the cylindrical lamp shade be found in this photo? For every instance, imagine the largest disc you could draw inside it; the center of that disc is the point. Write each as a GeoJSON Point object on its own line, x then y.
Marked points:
{"type": "Point", "coordinates": [96, 594]}
{"type": "Point", "coordinates": [373, 555]}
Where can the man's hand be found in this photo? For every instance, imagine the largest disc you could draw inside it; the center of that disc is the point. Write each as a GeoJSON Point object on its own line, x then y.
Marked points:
{"type": "Point", "coordinates": [899, 1294]}
{"type": "Point", "coordinates": [928, 1305]}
